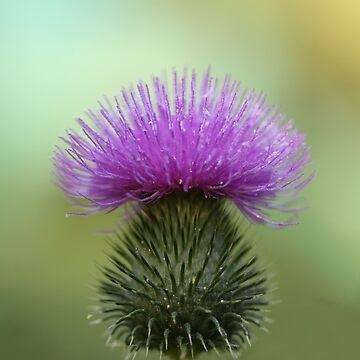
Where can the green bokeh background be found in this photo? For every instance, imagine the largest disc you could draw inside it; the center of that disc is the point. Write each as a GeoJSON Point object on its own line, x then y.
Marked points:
{"type": "Point", "coordinates": [59, 57]}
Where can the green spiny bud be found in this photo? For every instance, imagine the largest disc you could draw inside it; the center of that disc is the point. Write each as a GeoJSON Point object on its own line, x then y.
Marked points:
{"type": "Point", "coordinates": [182, 280]}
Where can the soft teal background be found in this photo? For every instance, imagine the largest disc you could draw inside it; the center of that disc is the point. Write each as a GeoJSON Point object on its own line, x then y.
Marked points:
{"type": "Point", "coordinates": [59, 57]}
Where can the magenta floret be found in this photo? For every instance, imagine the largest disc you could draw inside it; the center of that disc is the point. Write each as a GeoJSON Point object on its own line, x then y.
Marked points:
{"type": "Point", "coordinates": [212, 136]}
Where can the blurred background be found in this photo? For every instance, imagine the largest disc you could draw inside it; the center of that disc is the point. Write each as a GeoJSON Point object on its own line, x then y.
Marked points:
{"type": "Point", "coordinates": [59, 57]}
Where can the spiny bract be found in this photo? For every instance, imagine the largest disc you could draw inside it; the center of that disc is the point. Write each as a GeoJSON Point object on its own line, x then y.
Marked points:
{"type": "Point", "coordinates": [181, 280]}
{"type": "Point", "coordinates": [209, 135]}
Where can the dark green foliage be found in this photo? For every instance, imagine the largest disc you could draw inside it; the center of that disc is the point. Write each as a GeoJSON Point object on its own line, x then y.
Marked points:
{"type": "Point", "coordinates": [181, 280]}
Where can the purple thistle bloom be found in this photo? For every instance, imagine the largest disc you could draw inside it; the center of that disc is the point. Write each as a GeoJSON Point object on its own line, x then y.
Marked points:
{"type": "Point", "coordinates": [214, 137]}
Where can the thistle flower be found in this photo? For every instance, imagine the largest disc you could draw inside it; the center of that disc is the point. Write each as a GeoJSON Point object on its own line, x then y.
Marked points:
{"type": "Point", "coordinates": [181, 280]}
{"type": "Point", "coordinates": [213, 137]}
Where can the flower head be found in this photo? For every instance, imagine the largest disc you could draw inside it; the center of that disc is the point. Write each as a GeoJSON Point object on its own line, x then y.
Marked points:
{"type": "Point", "coordinates": [211, 136]}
